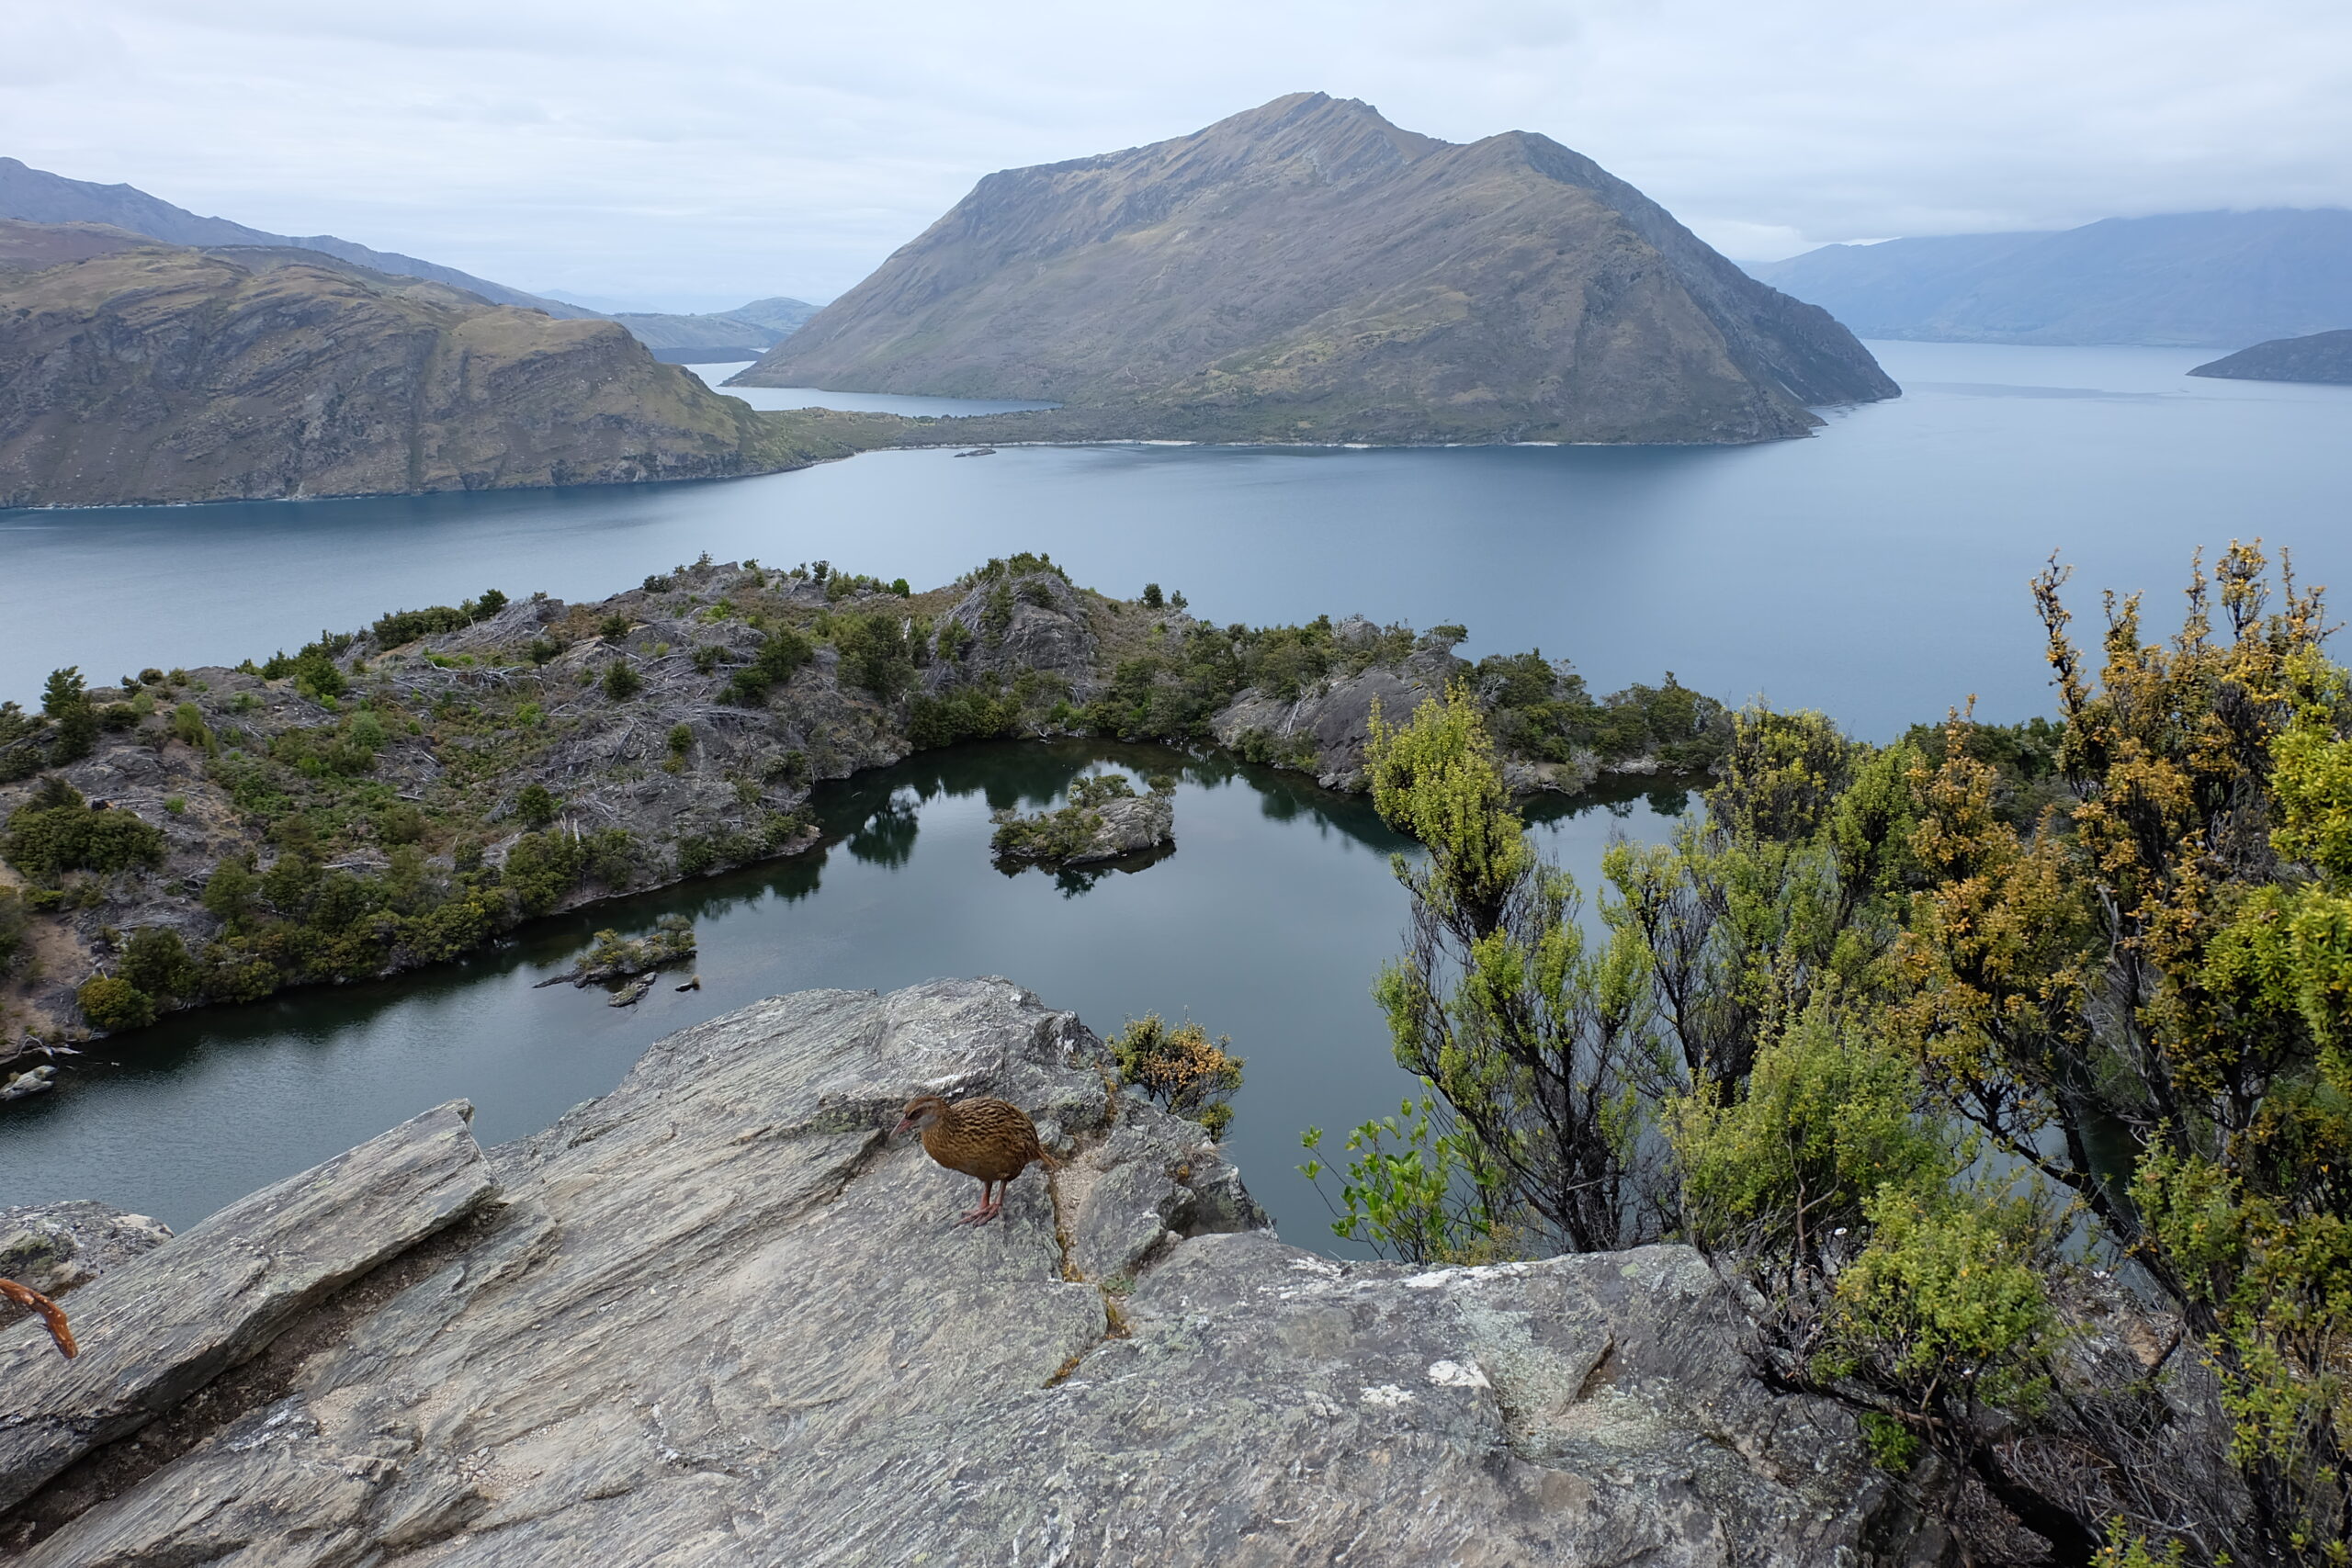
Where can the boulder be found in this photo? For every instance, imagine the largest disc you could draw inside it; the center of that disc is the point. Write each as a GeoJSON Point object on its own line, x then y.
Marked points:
{"type": "Point", "coordinates": [161, 1326]}
{"type": "Point", "coordinates": [57, 1247]}
{"type": "Point", "coordinates": [723, 1318]}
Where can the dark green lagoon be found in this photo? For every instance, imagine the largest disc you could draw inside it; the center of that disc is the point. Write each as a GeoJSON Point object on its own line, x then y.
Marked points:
{"type": "Point", "coordinates": [1266, 923]}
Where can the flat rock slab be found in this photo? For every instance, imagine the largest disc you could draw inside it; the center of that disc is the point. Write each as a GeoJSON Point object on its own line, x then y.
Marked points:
{"type": "Point", "coordinates": [724, 1321]}
{"type": "Point", "coordinates": [157, 1329]}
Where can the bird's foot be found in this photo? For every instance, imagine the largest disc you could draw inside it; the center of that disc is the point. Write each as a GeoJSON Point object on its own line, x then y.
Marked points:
{"type": "Point", "coordinates": [977, 1216]}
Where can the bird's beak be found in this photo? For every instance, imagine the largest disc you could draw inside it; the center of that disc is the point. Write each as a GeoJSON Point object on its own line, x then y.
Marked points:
{"type": "Point", "coordinates": [904, 1122]}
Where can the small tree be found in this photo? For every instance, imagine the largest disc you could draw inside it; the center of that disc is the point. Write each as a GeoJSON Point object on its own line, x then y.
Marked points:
{"type": "Point", "coordinates": [621, 682]}
{"type": "Point", "coordinates": [537, 805]}
{"type": "Point", "coordinates": [1534, 1042]}
{"type": "Point", "coordinates": [1182, 1068]}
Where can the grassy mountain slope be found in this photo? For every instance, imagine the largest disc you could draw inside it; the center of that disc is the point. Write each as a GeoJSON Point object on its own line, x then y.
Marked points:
{"type": "Point", "coordinates": [1308, 271]}
{"type": "Point", "coordinates": [136, 372]}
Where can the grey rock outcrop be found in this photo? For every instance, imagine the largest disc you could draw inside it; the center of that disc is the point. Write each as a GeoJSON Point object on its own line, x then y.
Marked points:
{"type": "Point", "coordinates": [721, 1319]}
{"type": "Point", "coordinates": [1004, 627]}
{"type": "Point", "coordinates": [155, 1331]}
{"type": "Point", "coordinates": [1326, 726]}
{"type": "Point", "coordinates": [1130, 826]}
{"type": "Point", "coordinates": [57, 1247]}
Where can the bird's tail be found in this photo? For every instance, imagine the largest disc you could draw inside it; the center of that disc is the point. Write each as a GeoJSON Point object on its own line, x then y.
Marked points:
{"type": "Point", "coordinates": [1049, 1162]}
{"type": "Point", "coordinates": [50, 1313]}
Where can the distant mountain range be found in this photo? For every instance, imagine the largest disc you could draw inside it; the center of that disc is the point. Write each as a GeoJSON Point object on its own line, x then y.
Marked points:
{"type": "Point", "coordinates": [2198, 280]}
{"type": "Point", "coordinates": [2321, 356]}
{"type": "Point", "coordinates": [134, 371]}
{"type": "Point", "coordinates": [1307, 271]}
{"type": "Point", "coordinates": [36, 196]}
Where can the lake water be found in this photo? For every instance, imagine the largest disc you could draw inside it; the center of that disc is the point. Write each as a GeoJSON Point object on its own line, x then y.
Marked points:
{"type": "Point", "coordinates": [1877, 571]}
{"type": "Point", "coordinates": [1266, 924]}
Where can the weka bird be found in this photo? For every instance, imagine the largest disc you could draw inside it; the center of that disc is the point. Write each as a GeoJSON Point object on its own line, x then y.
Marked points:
{"type": "Point", "coordinates": [985, 1138]}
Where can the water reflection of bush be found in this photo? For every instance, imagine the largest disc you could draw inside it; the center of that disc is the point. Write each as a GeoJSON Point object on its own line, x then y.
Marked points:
{"type": "Point", "coordinates": [875, 814]}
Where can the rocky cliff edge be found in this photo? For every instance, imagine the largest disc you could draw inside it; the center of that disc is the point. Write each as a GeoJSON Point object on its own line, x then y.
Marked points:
{"type": "Point", "coordinates": [720, 1317]}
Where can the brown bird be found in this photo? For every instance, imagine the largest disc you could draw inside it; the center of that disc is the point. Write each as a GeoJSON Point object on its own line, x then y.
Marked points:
{"type": "Point", "coordinates": [986, 1138]}
{"type": "Point", "coordinates": [50, 1313]}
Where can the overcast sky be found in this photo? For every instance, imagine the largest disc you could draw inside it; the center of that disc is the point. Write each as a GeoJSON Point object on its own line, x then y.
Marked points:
{"type": "Point", "coordinates": [694, 153]}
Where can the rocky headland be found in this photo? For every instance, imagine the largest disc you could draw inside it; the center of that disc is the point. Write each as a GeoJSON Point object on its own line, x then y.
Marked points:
{"type": "Point", "coordinates": [2325, 357]}
{"type": "Point", "coordinates": [398, 796]}
{"type": "Point", "coordinates": [720, 1317]}
{"type": "Point", "coordinates": [134, 372]}
{"type": "Point", "coordinates": [1307, 272]}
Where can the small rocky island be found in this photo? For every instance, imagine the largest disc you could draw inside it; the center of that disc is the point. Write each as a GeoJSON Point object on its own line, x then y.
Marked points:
{"type": "Point", "coordinates": [1105, 819]}
{"type": "Point", "coordinates": [719, 1317]}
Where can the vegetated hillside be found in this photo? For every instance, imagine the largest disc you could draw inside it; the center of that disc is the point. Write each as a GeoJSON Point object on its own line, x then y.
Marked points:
{"type": "Point", "coordinates": [396, 795]}
{"type": "Point", "coordinates": [2321, 356]}
{"type": "Point", "coordinates": [133, 372]}
{"type": "Point", "coordinates": [2194, 278]}
{"type": "Point", "coordinates": [717, 337]}
{"type": "Point", "coordinates": [36, 196]}
{"type": "Point", "coordinates": [1307, 271]}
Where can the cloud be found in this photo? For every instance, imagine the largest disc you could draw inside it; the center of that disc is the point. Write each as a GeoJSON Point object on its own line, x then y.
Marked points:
{"type": "Point", "coordinates": [707, 151]}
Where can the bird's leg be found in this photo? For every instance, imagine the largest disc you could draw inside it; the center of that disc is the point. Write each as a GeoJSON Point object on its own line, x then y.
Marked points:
{"type": "Point", "coordinates": [980, 1215]}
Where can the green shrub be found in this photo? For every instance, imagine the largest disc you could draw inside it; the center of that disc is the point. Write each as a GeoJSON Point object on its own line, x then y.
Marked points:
{"type": "Point", "coordinates": [403, 626]}
{"type": "Point", "coordinates": [155, 961]}
{"type": "Point", "coordinates": [1151, 598]}
{"type": "Point", "coordinates": [620, 681]}
{"type": "Point", "coordinates": [877, 653]}
{"type": "Point", "coordinates": [57, 832]}
{"type": "Point", "coordinates": [781, 652]}
{"type": "Point", "coordinates": [14, 920]}
{"type": "Point", "coordinates": [682, 740]}
{"type": "Point", "coordinates": [111, 1003]}
{"type": "Point", "coordinates": [613, 627]}
{"type": "Point", "coordinates": [1180, 1069]}
{"type": "Point", "coordinates": [536, 806]}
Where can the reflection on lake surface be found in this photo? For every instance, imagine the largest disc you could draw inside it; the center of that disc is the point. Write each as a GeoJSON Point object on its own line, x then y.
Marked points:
{"type": "Point", "coordinates": [1267, 924]}
{"type": "Point", "coordinates": [1877, 571]}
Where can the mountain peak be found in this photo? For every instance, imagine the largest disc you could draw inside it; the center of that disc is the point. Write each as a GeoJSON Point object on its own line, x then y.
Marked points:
{"type": "Point", "coordinates": [1306, 271]}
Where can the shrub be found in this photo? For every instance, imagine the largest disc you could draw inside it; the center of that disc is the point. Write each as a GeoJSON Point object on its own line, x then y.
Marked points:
{"type": "Point", "coordinates": [74, 719]}
{"type": "Point", "coordinates": [682, 740]}
{"type": "Point", "coordinates": [157, 961]}
{"type": "Point", "coordinates": [1180, 1069]}
{"type": "Point", "coordinates": [57, 832]}
{"type": "Point", "coordinates": [1151, 598]}
{"type": "Point", "coordinates": [13, 918]}
{"type": "Point", "coordinates": [536, 806]}
{"type": "Point", "coordinates": [112, 1003]}
{"type": "Point", "coordinates": [781, 652]}
{"type": "Point", "coordinates": [613, 627]}
{"type": "Point", "coordinates": [403, 626]}
{"type": "Point", "coordinates": [620, 681]}
{"type": "Point", "coordinates": [877, 654]}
